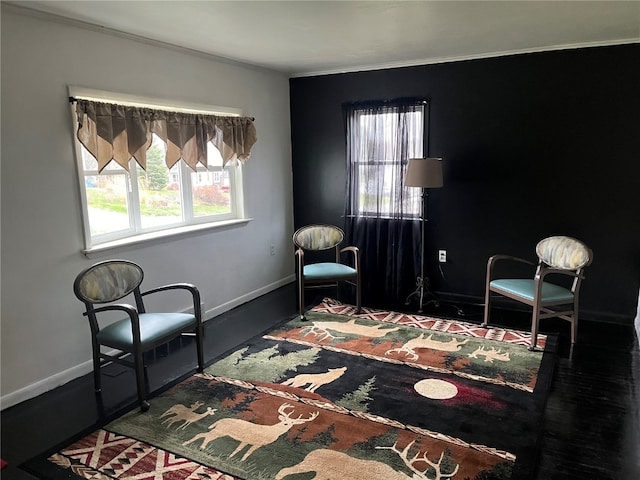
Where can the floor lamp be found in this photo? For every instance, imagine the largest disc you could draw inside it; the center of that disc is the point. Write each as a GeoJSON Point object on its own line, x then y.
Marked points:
{"type": "Point", "coordinates": [424, 173]}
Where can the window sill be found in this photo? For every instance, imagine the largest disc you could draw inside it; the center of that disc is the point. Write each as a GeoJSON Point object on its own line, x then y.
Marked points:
{"type": "Point", "coordinates": [160, 236]}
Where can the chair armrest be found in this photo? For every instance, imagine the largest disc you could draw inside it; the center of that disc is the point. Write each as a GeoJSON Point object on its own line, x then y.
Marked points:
{"type": "Point", "coordinates": [356, 255]}
{"type": "Point", "coordinates": [173, 286]}
{"type": "Point", "coordinates": [122, 307]}
{"type": "Point", "coordinates": [496, 258]}
{"type": "Point", "coordinates": [195, 294]}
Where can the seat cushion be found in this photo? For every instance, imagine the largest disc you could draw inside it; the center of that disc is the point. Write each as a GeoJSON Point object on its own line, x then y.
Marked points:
{"type": "Point", "coordinates": [328, 271]}
{"type": "Point", "coordinates": [525, 288]}
{"type": "Point", "coordinates": [154, 328]}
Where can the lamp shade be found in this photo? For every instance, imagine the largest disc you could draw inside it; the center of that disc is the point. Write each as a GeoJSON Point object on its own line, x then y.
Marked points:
{"type": "Point", "coordinates": [424, 172]}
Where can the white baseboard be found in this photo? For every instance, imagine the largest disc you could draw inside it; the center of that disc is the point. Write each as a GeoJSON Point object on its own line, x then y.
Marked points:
{"type": "Point", "coordinates": [44, 385]}
{"type": "Point", "coordinates": [225, 307]}
{"type": "Point", "coordinates": [58, 379]}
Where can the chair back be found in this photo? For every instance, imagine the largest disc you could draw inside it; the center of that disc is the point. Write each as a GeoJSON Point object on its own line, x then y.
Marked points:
{"type": "Point", "coordinates": [318, 237]}
{"type": "Point", "coordinates": [107, 281]}
{"type": "Point", "coordinates": [564, 253]}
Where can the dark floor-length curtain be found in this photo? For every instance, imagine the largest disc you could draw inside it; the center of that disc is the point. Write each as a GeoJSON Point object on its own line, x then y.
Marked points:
{"type": "Point", "coordinates": [382, 217]}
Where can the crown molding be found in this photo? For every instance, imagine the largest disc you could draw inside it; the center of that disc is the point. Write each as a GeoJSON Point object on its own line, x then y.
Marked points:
{"type": "Point", "coordinates": [462, 58]}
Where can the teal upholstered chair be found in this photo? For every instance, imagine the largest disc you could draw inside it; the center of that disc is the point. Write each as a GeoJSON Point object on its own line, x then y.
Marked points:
{"type": "Point", "coordinates": [557, 255]}
{"type": "Point", "coordinates": [310, 241]}
{"type": "Point", "coordinates": [104, 283]}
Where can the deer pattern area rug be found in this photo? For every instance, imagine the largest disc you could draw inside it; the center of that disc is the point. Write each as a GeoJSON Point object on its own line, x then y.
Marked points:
{"type": "Point", "coordinates": [375, 395]}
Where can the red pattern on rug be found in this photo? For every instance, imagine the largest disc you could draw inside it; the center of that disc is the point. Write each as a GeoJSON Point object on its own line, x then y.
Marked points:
{"type": "Point", "coordinates": [103, 455]}
{"type": "Point", "coordinates": [515, 337]}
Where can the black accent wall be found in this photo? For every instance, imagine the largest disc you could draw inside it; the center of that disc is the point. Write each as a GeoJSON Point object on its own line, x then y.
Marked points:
{"type": "Point", "coordinates": [533, 145]}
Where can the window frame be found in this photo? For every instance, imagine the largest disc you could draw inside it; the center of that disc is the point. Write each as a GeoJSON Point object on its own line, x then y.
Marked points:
{"type": "Point", "coordinates": [189, 222]}
{"type": "Point", "coordinates": [413, 195]}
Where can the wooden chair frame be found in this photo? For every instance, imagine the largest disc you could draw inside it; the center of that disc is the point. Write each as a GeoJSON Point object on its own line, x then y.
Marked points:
{"type": "Point", "coordinates": [139, 345]}
{"type": "Point", "coordinates": [541, 308]}
{"type": "Point", "coordinates": [305, 282]}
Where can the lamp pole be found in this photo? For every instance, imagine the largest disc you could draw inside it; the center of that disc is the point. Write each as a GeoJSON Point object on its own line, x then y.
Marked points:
{"type": "Point", "coordinates": [422, 222]}
{"type": "Point", "coordinates": [422, 282]}
{"type": "Point", "coordinates": [424, 173]}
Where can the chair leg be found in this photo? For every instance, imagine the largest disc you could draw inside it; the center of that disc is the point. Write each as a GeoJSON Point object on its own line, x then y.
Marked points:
{"type": "Point", "coordinates": [535, 319]}
{"type": "Point", "coordinates": [97, 379]}
{"type": "Point", "coordinates": [487, 307]}
{"type": "Point", "coordinates": [574, 330]}
{"type": "Point", "coordinates": [199, 347]}
{"type": "Point", "coordinates": [574, 321]}
{"type": "Point", "coordinates": [140, 381]}
{"type": "Point", "coordinates": [301, 298]}
{"type": "Point", "coordinates": [358, 296]}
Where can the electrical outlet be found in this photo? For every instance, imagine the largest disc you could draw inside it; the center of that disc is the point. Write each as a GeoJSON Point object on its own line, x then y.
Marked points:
{"type": "Point", "coordinates": [442, 256]}
{"type": "Point", "coordinates": [273, 249]}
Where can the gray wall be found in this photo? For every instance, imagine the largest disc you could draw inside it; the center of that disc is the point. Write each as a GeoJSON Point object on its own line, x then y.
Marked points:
{"type": "Point", "coordinates": [45, 338]}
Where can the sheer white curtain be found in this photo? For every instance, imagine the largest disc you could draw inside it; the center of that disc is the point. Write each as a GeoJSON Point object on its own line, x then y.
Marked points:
{"type": "Point", "coordinates": [381, 214]}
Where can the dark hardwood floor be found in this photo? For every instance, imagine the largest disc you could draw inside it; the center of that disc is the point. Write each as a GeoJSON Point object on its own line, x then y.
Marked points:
{"type": "Point", "coordinates": [591, 424]}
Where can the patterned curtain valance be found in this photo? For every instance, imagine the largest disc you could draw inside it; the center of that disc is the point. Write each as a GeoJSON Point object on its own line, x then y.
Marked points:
{"type": "Point", "coordinates": [119, 132]}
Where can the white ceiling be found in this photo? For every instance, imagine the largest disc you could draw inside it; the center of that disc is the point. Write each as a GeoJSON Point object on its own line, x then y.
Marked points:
{"type": "Point", "coordinates": [313, 37]}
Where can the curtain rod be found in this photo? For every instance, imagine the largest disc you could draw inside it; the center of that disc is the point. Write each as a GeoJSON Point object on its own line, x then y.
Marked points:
{"type": "Point", "coordinates": [399, 100]}
{"type": "Point", "coordinates": [74, 100]}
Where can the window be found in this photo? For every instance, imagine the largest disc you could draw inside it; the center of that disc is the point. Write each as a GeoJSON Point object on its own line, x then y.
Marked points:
{"type": "Point", "coordinates": [381, 140]}
{"type": "Point", "coordinates": [120, 204]}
